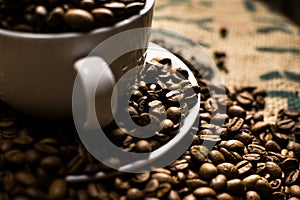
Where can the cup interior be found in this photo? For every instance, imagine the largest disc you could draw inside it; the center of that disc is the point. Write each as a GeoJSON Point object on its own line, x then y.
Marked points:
{"type": "Point", "coordinates": [148, 6]}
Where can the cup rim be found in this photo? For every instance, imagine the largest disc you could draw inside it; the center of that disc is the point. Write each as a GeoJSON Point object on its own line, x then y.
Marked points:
{"type": "Point", "coordinates": [148, 6]}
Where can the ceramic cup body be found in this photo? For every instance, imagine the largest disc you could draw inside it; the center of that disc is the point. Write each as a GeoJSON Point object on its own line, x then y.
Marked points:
{"type": "Point", "coordinates": [36, 70]}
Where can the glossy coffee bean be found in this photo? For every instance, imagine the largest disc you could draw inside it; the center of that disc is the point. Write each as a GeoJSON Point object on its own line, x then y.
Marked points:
{"type": "Point", "coordinates": [272, 146]}
{"type": "Point", "coordinates": [235, 124]}
{"type": "Point", "coordinates": [273, 169]}
{"type": "Point", "coordinates": [26, 178]}
{"type": "Point", "coordinates": [244, 167]}
{"type": "Point", "coordinates": [78, 19]}
{"type": "Point", "coordinates": [208, 171]}
{"type": "Point", "coordinates": [228, 169]}
{"type": "Point", "coordinates": [57, 189]}
{"type": "Point", "coordinates": [235, 186]}
{"type": "Point", "coordinates": [134, 194]}
{"type": "Point", "coordinates": [199, 153]}
{"type": "Point", "coordinates": [250, 181]}
{"type": "Point", "coordinates": [203, 192]}
{"type": "Point", "coordinates": [236, 111]}
{"type": "Point", "coordinates": [295, 191]}
{"type": "Point", "coordinates": [263, 188]}
{"type": "Point", "coordinates": [14, 156]}
{"type": "Point", "coordinates": [252, 195]}
{"type": "Point", "coordinates": [219, 183]}
{"type": "Point", "coordinates": [224, 196]}
{"type": "Point", "coordinates": [196, 183]}
{"type": "Point", "coordinates": [216, 157]}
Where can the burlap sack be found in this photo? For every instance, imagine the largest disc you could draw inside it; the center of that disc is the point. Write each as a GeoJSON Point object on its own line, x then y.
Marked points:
{"type": "Point", "coordinates": [262, 46]}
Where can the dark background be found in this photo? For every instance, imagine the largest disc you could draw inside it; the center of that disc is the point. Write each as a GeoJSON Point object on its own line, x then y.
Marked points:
{"type": "Point", "coordinates": [291, 8]}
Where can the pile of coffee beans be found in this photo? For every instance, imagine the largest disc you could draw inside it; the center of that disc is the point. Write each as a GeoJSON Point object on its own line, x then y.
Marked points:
{"type": "Point", "coordinates": [51, 16]}
{"type": "Point", "coordinates": [159, 101]}
{"type": "Point", "coordinates": [234, 155]}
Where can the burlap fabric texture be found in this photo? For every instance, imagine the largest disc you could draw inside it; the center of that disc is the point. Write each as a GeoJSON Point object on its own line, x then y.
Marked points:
{"type": "Point", "coordinates": [262, 46]}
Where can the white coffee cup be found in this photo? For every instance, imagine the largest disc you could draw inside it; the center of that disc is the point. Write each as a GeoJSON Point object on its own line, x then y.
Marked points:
{"type": "Point", "coordinates": [37, 70]}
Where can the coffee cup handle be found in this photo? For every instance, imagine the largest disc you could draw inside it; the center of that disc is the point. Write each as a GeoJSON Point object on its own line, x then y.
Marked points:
{"type": "Point", "coordinates": [96, 80]}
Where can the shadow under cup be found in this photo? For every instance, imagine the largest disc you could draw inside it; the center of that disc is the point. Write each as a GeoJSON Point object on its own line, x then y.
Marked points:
{"type": "Point", "coordinates": [36, 70]}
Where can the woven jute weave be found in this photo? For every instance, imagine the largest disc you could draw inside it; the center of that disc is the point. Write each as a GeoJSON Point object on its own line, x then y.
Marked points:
{"type": "Point", "coordinates": [262, 46]}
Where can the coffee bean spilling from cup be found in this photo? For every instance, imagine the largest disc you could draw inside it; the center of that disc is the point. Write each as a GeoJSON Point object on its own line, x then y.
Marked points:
{"type": "Point", "coordinates": [52, 16]}
{"type": "Point", "coordinates": [237, 155]}
{"type": "Point", "coordinates": [159, 102]}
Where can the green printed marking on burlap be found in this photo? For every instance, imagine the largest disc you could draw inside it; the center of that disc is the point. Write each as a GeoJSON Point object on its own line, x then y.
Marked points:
{"type": "Point", "coordinates": [271, 75]}
{"type": "Point", "coordinates": [250, 6]}
{"type": "Point", "coordinates": [292, 76]}
{"type": "Point", "coordinates": [273, 21]}
{"type": "Point", "coordinates": [292, 97]}
{"type": "Point", "coordinates": [271, 29]}
{"type": "Point", "coordinates": [278, 50]}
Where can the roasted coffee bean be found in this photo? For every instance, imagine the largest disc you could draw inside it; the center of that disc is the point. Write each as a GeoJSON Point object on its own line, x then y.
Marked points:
{"type": "Point", "coordinates": [47, 146]}
{"type": "Point", "coordinates": [273, 169]}
{"type": "Point", "coordinates": [224, 196]}
{"type": "Point", "coordinates": [199, 153]}
{"type": "Point", "coordinates": [234, 145]}
{"type": "Point", "coordinates": [260, 167]}
{"type": "Point", "coordinates": [292, 177]}
{"type": "Point", "coordinates": [75, 165]}
{"type": "Point", "coordinates": [245, 98]}
{"type": "Point", "coordinates": [257, 149]}
{"type": "Point", "coordinates": [244, 136]}
{"type": "Point", "coordinates": [141, 178]}
{"type": "Point", "coordinates": [79, 19]}
{"type": "Point", "coordinates": [236, 111]}
{"type": "Point", "coordinates": [196, 183]}
{"type": "Point", "coordinates": [275, 184]}
{"type": "Point", "coordinates": [173, 195]}
{"type": "Point", "coordinates": [216, 157]}
{"type": "Point", "coordinates": [25, 178]}
{"type": "Point", "coordinates": [117, 7]}
{"type": "Point", "coordinates": [295, 191]}
{"type": "Point", "coordinates": [235, 124]}
{"type": "Point", "coordinates": [151, 186]}
{"type": "Point", "coordinates": [35, 193]}
{"type": "Point", "coordinates": [263, 188]}
{"type": "Point", "coordinates": [272, 146]}
{"type": "Point", "coordinates": [260, 127]}
{"type": "Point", "coordinates": [232, 157]}
{"type": "Point", "coordinates": [228, 169]}
{"type": "Point", "coordinates": [285, 125]}
{"type": "Point", "coordinates": [208, 171]}
{"type": "Point", "coordinates": [244, 167]}
{"type": "Point", "coordinates": [143, 146]}
{"type": "Point", "coordinates": [118, 183]}
{"type": "Point", "coordinates": [235, 186]}
{"type": "Point", "coordinates": [203, 192]}
{"type": "Point", "coordinates": [189, 197]}
{"type": "Point", "coordinates": [15, 156]}
{"type": "Point", "coordinates": [289, 164]}
{"type": "Point", "coordinates": [162, 177]}
{"type": "Point", "coordinates": [252, 195]}
{"type": "Point", "coordinates": [51, 162]}
{"type": "Point", "coordinates": [134, 194]}
{"type": "Point", "coordinates": [250, 181]}
{"type": "Point", "coordinates": [174, 114]}
{"type": "Point", "coordinates": [57, 189]}
{"type": "Point", "coordinates": [163, 190]}
{"type": "Point", "coordinates": [179, 165]}
{"type": "Point", "coordinates": [32, 156]}
{"type": "Point", "coordinates": [96, 190]}
{"type": "Point", "coordinates": [218, 183]}
{"type": "Point", "coordinates": [6, 145]}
